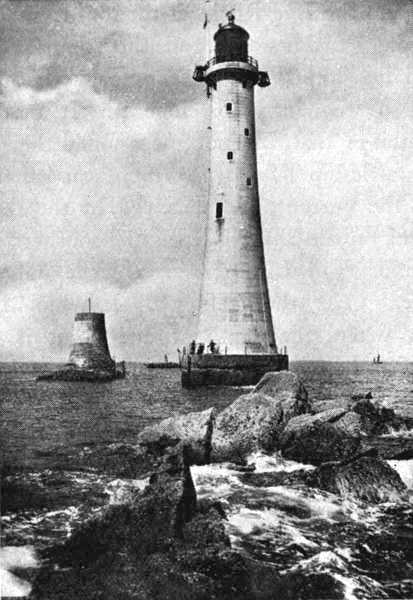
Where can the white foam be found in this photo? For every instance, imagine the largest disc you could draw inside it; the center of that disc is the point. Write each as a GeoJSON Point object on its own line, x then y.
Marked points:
{"type": "Point", "coordinates": [405, 470]}
{"type": "Point", "coordinates": [246, 521]}
{"type": "Point", "coordinates": [19, 557]}
{"type": "Point", "coordinates": [321, 504]}
{"type": "Point", "coordinates": [337, 564]}
{"type": "Point", "coordinates": [215, 481]}
{"type": "Point", "coordinates": [345, 553]}
{"type": "Point", "coordinates": [71, 511]}
{"type": "Point", "coordinates": [403, 432]}
{"type": "Point", "coordinates": [266, 523]}
{"type": "Point", "coordinates": [265, 463]}
{"type": "Point", "coordinates": [349, 584]}
{"type": "Point", "coordinates": [123, 490]}
{"type": "Point", "coordinates": [323, 559]}
{"type": "Point", "coordinates": [12, 586]}
{"type": "Point", "coordinates": [16, 557]}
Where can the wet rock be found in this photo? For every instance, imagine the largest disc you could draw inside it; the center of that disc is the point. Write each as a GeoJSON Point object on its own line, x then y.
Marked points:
{"type": "Point", "coordinates": [124, 491]}
{"type": "Point", "coordinates": [370, 479]}
{"type": "Point", "coordinates": [367, 478]}
{"type": "Point", "coordinates": [161, 546]}
{"type": "Point", "coordinates": [193, 429]}
{"type": "Point", "coordinates": [351, 423]}
{"type": "Point", "coordinates": [338, 402]}
{"type": "Point", "coordinates": [147, 524]}
{"type": "Point", "coordinates": [398, 447]}
{"type": "Point", "coordinates": [251, 423]}
{"type": "Point", "coordinates": [359, 396]}
{"type": "Point", "coordinates": [308, 586]}
{"type": "Point", "coordinates": [286, 387]}
{"type": "Point", "coordinates": [232, 576]}
{"type": "Point", "coordinates": [375, 419]}
{"type": "Point", "coordinates": [314, 439]}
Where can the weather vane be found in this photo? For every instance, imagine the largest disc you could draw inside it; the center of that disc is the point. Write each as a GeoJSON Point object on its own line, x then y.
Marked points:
{"type": "Point", "coordinates": [230, 15]}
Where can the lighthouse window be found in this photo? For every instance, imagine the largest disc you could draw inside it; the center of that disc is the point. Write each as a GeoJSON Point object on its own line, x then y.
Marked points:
{"type": "Point", "coordinates": [219, 210]}
{"type": "Point", "coordinates": [249, 181]}
{"type": "Point", "coordinates": [229, 106]}
{"type": "Point", "coordinates": [230, 155]}
{"type": "Point", "coordinates": [244, 84]}
{"type": "Point", "coordinates": [246, 131]}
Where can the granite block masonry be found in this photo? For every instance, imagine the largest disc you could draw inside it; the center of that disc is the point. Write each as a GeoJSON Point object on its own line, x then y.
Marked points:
{"type": "Point", "coordinates": [90, 348]}
{"type": "Point", "coordinates": [234, 314]}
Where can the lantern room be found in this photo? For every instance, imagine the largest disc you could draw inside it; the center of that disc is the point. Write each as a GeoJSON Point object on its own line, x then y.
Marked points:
{"type": "Point", "coordinates": [231, 42]}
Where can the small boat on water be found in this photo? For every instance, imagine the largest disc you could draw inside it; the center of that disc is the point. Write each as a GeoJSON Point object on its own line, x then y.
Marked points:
{"type": "Point", "coordinates": [377, 360]}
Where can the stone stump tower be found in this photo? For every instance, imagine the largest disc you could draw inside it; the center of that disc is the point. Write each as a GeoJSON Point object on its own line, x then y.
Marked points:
{"type": "Point", "coordinates": [235, 328]}
{"type": "Point", "coordinates": [90, 348]}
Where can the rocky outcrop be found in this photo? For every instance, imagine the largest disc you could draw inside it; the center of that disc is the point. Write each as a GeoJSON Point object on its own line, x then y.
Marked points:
{"type": "Point", "coordinates": [144, 525]}
{"type": "Point", "coordinates": [366, 478]}
{"type": "Point", "coordinates": [160, 546]}
{"type": "Point", "coordinates": [398, 447]}
{"type": "Point", "coordinates": [375, 419]}
{"type": "Point", "coordinates": [251, 423]}
{"type": "Point", "coordinates": [287, 388]}
{"type": "Point", "coordinates": [351, 423]}
{"type": "Point", "coordinates": [314, 439]}
{"type": "Point", "coordinates": [193, 429]}
{"type": "Point", "coordinates": [255, 421]}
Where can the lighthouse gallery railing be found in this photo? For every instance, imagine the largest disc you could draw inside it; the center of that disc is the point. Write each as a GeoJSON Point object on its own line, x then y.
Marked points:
{"type": "Point", "coordinates": [250, 60]}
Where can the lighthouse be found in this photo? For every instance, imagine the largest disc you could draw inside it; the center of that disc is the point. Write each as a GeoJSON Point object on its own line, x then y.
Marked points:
{"type": "Point", "coordinates": [235, 342]}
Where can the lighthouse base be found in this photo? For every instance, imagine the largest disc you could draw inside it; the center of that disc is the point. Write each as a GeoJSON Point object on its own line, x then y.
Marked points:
{"type": "Point", "coordinates": [229, 369]}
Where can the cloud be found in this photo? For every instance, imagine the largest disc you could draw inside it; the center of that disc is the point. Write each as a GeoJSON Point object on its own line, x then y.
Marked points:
{"type": "Point", "coordinates": [104, 164]}
{"type": "Point", "coordinates": [95, 201]}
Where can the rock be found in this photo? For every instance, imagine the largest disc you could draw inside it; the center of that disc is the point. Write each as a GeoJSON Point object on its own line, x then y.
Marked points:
{"type": "Point", "coordinates": [375, 419]}
{"type": "Point", "coordinates": [148, 523]}
{"type": "Point", "coordinates": [193, 429]}
{"type": "Point", "coordinates": [298, 585]}
{"type": "Point", "coordinates": [326, 416]}
{"type": "Point", "coordinates": [124, 491]}
{"type": "Point", "coordinates": [314, 439]}
{"type": "Point", "coordinates": [161, 546]}
{"type": "Point", "coordinates": [350, 423]}
{"type": "Point", "coordinates": [367, 478]}
{"type": "Point", "coordinates": [359, 396]}
{"type": "Point", "coordinates": [250, 423]}
{"type": "Point", "coordinates": [286, 387]}
{"type": "Point", "coordinates": [338, 402]}
{"type": "Point", "coordinates": [370, 479]}
{"type": "Point", "coordinates": [396, 447]}
{"type": "Point", "coordinates": [232, 576]}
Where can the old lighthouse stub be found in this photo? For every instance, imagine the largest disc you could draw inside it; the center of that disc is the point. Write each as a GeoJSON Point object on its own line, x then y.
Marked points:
{"type": "Point", "coordinates": [236, 342]}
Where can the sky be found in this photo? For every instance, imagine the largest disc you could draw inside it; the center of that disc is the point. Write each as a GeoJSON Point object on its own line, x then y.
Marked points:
{"type": "Point", "coordinates": [104, 157]}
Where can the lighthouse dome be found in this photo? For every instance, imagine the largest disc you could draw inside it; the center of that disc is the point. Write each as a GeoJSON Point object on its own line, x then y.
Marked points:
{"type": "Point", "coordinates": [231, 42]}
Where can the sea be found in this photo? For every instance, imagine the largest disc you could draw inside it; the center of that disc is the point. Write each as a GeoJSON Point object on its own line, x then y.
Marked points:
{"type": "Point", "coordinates": [66, 455]}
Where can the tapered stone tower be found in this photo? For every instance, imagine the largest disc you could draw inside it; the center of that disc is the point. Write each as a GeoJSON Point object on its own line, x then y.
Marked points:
{"type": "Point", "coordinates": [235, 333]}
{"type": "Point", "coordinates": [90, 348]}
{"type": "Point", "coordinates": [89, 358]}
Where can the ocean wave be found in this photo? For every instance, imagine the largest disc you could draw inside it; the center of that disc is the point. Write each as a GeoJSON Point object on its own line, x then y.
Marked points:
{"type": "Point", "coordinates": [403, 432]}
{"type": "Point", "coordinates": [276, 463]}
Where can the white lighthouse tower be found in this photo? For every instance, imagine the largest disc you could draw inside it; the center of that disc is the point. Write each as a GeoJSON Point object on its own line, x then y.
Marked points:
{"type": "Point", "coordinates": [235, 342]}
